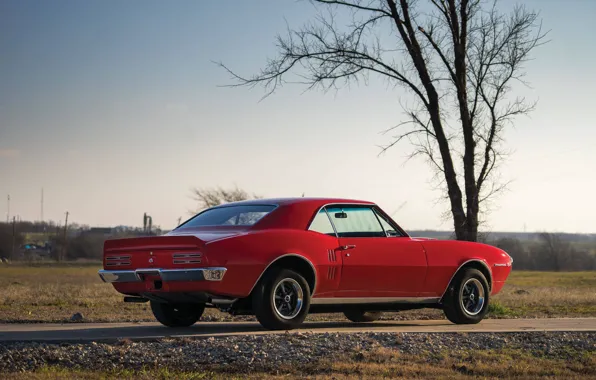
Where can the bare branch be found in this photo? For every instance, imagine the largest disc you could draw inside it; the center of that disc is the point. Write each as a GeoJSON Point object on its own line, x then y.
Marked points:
{"type": "Point", "coordinates": [355, 5]}
{"type": "Point", "coordinates": [461, 60]}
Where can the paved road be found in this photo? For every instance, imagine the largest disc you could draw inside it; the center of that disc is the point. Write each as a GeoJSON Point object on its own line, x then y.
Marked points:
{"type": "Point", "coordinates": [84, 332]}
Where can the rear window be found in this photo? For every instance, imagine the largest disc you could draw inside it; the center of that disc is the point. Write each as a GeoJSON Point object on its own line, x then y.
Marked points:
{"type": "Point", "coordinates": [230, 216]}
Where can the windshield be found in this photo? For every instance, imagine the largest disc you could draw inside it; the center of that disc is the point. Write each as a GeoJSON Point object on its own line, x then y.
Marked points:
{"type": "Point", "coordinates": [230, 216]}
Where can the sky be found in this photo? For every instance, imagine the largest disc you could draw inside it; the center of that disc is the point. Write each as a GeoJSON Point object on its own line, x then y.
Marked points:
{"type": "Point", "coordinates": [116, 108]}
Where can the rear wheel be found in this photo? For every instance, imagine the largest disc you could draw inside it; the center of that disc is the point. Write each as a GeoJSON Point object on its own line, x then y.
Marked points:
{"type": "Point", "coordinates": [362, 316]}
{"type": "Point", "coordinates": [281, 300]}
{"type": "Point", "coordinates": [177, 315]}
{"type": "Point", "coordinates": [466, 301]}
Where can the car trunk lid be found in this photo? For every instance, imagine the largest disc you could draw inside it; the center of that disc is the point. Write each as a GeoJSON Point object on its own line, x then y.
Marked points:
{"type": "Point", "coordinates": [155, 252]}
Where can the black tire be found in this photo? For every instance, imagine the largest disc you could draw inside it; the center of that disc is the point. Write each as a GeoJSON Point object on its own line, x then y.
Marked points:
{"type": "Point", "coordinates": [283, 282]}
{"type": "Point", "coordinates": [459, 306]}
{"type": "Point", "coordinates": [362, 316]}
{"type": "Point", "coordinates": [177, 315]}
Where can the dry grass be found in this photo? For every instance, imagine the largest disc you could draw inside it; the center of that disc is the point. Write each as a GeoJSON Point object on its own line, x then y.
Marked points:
{"type": "Point", "coordinates": [378, 363]}
{"type": "Point", "coordinates": [54, 293]}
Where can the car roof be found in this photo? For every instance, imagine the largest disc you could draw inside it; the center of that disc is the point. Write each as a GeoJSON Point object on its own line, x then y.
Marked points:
{"type": "Point", "coordinates": [295, 213]}
{"type": "Point", "coordinates": [306, 201]}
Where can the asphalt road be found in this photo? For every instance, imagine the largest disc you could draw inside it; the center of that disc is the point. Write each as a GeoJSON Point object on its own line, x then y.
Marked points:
{"type": "Point", "coordinates": [85, 332]}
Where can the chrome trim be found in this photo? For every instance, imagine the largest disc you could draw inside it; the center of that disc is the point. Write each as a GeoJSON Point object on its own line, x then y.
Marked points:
{"type": "Point", "coordinates": [293, 299]}
{"type": "Point", "coordinates": [490, 280]}
{"type": "Point", "coordinates": [186, 255]}
{"type": "Point", "coordinates": [198, 261]}
{"type": "Point", "coordinates": [330, 221]}
{"type": "Point", "coordinates": [331, 255]}
{"type": "Point", "coordinates": [502, 265]}
{"type": "Point", "coordinates": [282, 256]}
{"type": "Point", "coordinates": [471, 305]}
{"type": "Point", "coordinates": [369, 300]}
{"type": "Point", "coordinates": [136, 275]}
{"type": "Point", "coordinates": [118, 275]}
{"type": "Point", "coordinates": [118, 264]}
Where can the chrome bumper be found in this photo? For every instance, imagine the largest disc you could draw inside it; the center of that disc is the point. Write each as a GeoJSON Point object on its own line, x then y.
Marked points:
{"type": "Point", "coordinates": [166, 275]}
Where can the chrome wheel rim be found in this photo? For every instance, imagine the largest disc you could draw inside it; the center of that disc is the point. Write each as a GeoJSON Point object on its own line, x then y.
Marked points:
{"type": "Point", "coordinates": [288, 298]}
{"type": "Point", "coordinates": [472, 297]}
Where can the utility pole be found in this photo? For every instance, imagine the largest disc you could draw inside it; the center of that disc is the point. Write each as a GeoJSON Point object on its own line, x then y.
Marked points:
{"type": "Point", "coordinates": [8, 209]}
{"type": "Point", "coordinates": [14, 230]}
{"type": "Point", "coordinates": [179, 219]}
{"type": "Point", "coordinates": [65, 227]}
{"type": "Point", "coordinates": [42, 205]}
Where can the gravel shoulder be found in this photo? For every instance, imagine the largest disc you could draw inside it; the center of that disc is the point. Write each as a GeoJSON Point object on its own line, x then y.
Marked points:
{"type": "Point", "coordinates": [566, 354]}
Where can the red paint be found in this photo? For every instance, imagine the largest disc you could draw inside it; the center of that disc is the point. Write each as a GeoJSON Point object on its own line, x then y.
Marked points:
{"type": "Point", "coordinates": [375, 267]}
{"type": "Point", "coordinates": [382, 267]}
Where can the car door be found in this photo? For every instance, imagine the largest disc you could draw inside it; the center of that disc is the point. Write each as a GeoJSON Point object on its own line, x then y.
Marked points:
{"type": "Point", "coordinates": [377, 260]}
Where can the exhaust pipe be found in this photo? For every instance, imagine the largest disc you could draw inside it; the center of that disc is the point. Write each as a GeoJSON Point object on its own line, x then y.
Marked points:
{"type": "Point", "coordinates": [135, 299]}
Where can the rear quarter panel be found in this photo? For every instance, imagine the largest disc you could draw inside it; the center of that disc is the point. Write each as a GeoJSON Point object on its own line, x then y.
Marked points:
{"type": "Point", "coordinates": [247, 256]}
{"type": "Point", "coordinates": [445, 257]}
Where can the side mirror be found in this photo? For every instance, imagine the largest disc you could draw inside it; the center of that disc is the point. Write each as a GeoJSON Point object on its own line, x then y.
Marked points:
{"type": "Point", "coordinates": [391, 233]}
{"type": "Point", "coordinates": [341, 215]}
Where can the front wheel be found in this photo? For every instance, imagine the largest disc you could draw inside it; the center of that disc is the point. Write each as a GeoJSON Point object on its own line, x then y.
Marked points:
{"type": "Point", "coordinates": [281, 300]}
{"type": "Point", "coordinates": [177, 315]}
{"type": "Point", "coordinates": [466, 301]}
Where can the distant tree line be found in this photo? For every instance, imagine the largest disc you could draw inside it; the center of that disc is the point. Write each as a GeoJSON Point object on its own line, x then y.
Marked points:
{"type": "Point", "coordinates": [34, 241]}
{"type": "Point", "coordinates": [550, 252]}
{"type": "Point", "coordinates": [544, 251]}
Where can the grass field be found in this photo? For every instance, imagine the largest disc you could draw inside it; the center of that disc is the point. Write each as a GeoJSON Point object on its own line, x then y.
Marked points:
{"type": "Point", "coordinates": [55, 293]}
{"type": "Point", "coordinates": [380, 363]}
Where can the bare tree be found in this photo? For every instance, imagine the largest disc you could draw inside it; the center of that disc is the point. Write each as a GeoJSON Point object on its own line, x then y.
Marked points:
{"type": "Point", "coordinates": [210, 197]}
{"type": "Point", "coordinates": [458, 60]}
{"type": "Point", "coordinates": [554, 250]}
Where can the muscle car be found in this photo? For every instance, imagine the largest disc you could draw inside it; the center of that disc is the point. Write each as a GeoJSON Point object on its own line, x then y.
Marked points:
{"type": "Point", "coordinates": [280, 259]}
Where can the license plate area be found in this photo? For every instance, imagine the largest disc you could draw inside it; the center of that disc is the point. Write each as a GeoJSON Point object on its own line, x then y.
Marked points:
{"type": "Point", "coordinates": [151, 279]}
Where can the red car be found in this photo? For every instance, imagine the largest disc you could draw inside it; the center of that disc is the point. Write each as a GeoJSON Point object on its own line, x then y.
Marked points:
{"type": "Point", "coordinates": [280, 259]}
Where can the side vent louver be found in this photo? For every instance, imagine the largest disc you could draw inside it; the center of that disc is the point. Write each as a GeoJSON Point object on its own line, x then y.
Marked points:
{"type": "Point", "coordinates": [331, 273]}
{"type": "Point", "coordinates": [332, 255]}
{"type": "Point", "coordinates": [187, 258]}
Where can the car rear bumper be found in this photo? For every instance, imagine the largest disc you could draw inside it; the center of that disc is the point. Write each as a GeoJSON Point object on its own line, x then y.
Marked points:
{"type": "Point", "coordinates": [166, 275]}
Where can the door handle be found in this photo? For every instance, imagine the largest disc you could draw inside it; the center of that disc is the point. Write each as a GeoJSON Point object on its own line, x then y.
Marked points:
{"type": "Point", "coordinates": [346, 247]}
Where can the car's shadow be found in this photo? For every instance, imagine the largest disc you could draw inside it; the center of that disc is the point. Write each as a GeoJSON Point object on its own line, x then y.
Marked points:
{"type": "Point", "coordinates": [143, 332]}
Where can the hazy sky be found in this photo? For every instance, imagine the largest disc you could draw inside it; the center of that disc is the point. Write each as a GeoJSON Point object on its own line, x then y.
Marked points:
{"type": "Point", "coordinates": [113, 107]}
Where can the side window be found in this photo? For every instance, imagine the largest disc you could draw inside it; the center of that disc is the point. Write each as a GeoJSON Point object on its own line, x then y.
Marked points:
{"type": "Point", "coordinates": [353, 221]}
{"type": "Point", "coordinates": [390, 231]}
{"type": "Point", "coordinates": [322, 224]}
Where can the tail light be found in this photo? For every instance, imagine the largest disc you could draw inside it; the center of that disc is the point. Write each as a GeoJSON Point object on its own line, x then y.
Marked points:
{"type": "Point", "coordinates": [187, 258]}
{"type": "Point", "coordinates": [116, 261]}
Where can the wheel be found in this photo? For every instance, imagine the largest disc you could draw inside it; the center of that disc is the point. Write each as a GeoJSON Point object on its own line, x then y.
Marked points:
{"type": "Point", "coordinates": [281, 300]}
{"type": "Point", "coordinates": [362, 316]}
{"type": "Point", "coordinates": [177, 315]}
{"type": "Point", "coordinates": [466, 301]}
